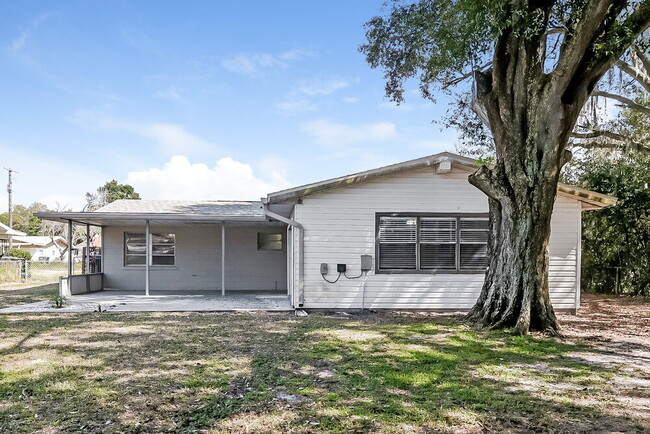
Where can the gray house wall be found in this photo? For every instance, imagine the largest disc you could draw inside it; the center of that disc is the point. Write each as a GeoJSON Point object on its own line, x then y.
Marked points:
{"type": "Point", "coordinates": [198, 260]}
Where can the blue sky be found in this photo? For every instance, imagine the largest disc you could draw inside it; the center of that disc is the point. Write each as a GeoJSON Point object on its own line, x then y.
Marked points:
{"type": "Point", "coordinates": [196, 100]}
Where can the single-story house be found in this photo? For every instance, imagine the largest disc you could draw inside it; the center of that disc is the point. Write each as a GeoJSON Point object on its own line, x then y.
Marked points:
{"type": "Point", "coordinates": [410, 235]}
{"type": "Point", "coordinates": [6, 234]}
{"type": "Point", "coordinates": [43, 248]}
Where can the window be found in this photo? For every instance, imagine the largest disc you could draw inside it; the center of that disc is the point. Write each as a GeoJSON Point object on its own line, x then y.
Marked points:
{"type": "Point", "coordinates": [429, 243]}
{"type": "Point", "coordinates": [163, 249]}
{"type": "Point", "coordinates": [270, 242]}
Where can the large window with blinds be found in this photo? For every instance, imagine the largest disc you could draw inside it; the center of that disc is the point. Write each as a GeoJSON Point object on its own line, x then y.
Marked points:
{"type": "Point", "coordinates": [428, 243]}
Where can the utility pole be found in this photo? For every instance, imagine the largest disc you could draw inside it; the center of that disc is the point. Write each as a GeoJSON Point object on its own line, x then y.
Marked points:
{"type": "Point", "coordinates": [11, 209]}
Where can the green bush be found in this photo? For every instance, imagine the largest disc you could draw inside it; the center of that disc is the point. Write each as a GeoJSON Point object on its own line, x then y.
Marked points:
{"type": "Point", "coordinates": [17, 253]}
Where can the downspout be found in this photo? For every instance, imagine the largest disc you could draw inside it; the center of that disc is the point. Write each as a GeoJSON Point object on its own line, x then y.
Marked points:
{"type": "Point", "coordinates": [301, 246]}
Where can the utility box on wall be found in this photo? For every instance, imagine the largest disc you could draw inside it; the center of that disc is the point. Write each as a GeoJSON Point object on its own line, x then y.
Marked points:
{"type": "Point", "coordinates": [366, 262]}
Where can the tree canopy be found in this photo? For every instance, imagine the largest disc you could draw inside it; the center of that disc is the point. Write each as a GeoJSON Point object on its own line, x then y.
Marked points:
{"type": "Point", "coordinates": [109, 192]}
{"type": "Point", "coordinates": [534, 64]}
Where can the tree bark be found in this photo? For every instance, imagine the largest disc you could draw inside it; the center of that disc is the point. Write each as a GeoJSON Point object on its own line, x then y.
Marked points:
{"type": "Point", "coordinates": [515, 291]}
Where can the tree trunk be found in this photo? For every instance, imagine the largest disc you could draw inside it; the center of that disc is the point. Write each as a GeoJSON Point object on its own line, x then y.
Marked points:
{"type": "Point", "coordinates": [515, 292]}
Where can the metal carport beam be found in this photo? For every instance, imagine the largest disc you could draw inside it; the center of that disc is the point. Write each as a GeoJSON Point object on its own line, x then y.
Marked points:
{"type": "Point", "coordinates": [301, 244]}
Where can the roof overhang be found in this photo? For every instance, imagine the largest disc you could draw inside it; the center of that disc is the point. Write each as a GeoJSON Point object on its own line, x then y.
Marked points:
{"type": "Point", "coordinates": [589, 199]}
{"type": "Point", "coordinates": [137, 219]}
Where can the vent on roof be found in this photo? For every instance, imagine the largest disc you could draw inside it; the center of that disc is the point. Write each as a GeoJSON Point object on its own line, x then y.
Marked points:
{"type": "Point", "coordinates": [444, 166]}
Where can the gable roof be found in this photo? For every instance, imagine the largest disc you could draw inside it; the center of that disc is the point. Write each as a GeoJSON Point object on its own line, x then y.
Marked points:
{"type": "Point", "coordinates": [590, 198]}
{"type": "Point", "coordinates": [6, 230]}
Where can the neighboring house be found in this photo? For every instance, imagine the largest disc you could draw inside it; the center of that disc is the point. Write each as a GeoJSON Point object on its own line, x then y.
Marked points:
{"type": "Point", "coordinates": [43, 248]}
{"type": "Point", "coordinates": [418, 228]}
{"type": "Point", "coordinates": [7, 233]}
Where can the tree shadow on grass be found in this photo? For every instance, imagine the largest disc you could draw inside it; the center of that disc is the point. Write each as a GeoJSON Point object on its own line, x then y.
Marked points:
{"type": "Point", "coordinates": [183, 372]}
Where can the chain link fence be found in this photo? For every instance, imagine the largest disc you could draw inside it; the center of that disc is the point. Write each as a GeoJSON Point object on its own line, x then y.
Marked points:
{"type": "Point", "coordinates": [10, 271]}
{"type": "Point", "coordinates": [18, 270]}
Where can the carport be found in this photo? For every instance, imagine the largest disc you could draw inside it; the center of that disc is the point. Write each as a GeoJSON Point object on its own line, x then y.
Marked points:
{"type": "Point", "coordinates": [165, 248]}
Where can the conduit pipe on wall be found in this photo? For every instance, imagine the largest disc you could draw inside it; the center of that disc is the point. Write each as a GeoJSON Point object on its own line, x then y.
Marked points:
{"type": "Point", "coordinates": [301, 245]}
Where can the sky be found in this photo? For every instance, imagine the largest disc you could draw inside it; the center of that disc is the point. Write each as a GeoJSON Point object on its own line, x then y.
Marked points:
{"type": "Point", "coordinates": [196, 100]}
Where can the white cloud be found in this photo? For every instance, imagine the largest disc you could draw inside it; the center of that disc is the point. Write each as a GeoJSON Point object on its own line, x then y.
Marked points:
{"type": "Point", "coordinates": [228, 179]}
{"type": "Point", "coordinates": [256, 64]}
{"type": "Point", "coordinates": [296, 105]}
{"type": "Point", "coordinates": [171, 94]}
{"type": "Point", "coordinates": [171, 137]}
{"type": "Point", "coordinates": [351, 100]}
{"type": "Point", "coordinates": [320, 86]}
{"type": "Point", "coordinates": [330, 133]}
{"type": "Point", "coordinates": [298, 99]}
{"type": "Point", "coordinates": [18, 43]}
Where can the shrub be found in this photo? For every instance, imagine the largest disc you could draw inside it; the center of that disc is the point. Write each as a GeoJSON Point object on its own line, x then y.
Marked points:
{"type": "Point", "coordinates": [17, 253]}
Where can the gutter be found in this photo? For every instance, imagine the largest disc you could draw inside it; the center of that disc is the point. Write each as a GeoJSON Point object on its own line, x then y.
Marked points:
{"type": "Point", "coordinates": [301, 244]}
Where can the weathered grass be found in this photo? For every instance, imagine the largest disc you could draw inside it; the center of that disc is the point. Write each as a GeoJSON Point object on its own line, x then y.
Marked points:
{"type": "Point", "coordinates": [388, 373]}
{"type": "Point", "coordinates": [15, 294]}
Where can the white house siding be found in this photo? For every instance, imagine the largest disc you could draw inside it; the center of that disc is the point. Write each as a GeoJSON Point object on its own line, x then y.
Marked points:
{"type": "Point", "coordinates": [198, 260]}
{"type": "Point", "coordinates": [340, 226]}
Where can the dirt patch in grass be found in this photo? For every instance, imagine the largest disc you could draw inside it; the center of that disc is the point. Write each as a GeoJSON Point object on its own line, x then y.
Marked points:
{"type": "Point", "coordinates": [259, 372]}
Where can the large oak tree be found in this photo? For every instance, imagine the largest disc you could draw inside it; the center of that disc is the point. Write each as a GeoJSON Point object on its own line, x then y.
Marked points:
{"type": "Point", "coordinates": [534, 65]}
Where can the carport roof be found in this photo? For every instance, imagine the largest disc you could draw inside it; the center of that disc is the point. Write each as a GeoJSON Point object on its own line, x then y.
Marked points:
{"type": "Point", "coordinates": [130, 211]}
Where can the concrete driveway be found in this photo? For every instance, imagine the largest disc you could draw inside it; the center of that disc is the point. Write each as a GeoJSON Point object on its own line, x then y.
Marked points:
{"type": "Point", "coordinates": [185, 301]}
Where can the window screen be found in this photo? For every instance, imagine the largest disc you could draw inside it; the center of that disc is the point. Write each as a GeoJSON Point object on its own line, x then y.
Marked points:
{"type": "Point", "coordinates": [163, 249]}
{"type": "Point", "coordinates": [266, 241]}
{"type": "Point", "coordinates": [428, 243]}
{"type": "Point", "coordinates": [397, 243]}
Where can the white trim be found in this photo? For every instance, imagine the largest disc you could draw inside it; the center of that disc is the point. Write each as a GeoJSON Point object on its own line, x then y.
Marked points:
{"type": "Point", "coordinates": [578, 259]}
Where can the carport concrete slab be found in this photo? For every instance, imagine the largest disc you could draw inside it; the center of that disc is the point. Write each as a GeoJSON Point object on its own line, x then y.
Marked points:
{"type": "Point", "coordinates": [190, 301]}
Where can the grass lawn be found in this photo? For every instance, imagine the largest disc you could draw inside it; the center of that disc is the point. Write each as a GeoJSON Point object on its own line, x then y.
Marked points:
{"type": "Point", "coordinates": [260, 372]}
{"type": "Point", "coordinates": [22, 293]}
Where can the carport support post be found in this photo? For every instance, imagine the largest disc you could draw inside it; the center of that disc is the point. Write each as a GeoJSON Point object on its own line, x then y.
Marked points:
{"type": "Point", "coordinates": [223, 258]}
{"type": "Point", "coordinates": [69, 250]}
{"type": "Point", "coordinates": [147, 236]}
{"type": "Point", "coordinates": [87, 248]}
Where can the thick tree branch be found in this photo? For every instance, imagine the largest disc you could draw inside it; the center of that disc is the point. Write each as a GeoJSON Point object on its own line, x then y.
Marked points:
{"type": "Point", "coordinates": [630, 146]}
{"type": "Point", "coordinates": [627, 101]}
{"type": "Point", "coordinates": [638, 75]}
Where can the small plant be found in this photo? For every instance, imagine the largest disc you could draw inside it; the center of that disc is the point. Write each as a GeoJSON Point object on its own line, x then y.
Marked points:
{"type": "Point", "coordinates": [58, 301]}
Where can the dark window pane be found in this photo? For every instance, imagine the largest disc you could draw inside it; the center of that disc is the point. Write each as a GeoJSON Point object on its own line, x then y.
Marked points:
{"type": "Point", "coordinates": [397, 256]}
{"type": "Point", "coordinates": [162, 260]}
{"type": "Point", "coordinates": [481, 223]}
{"type": "Point", "coordinates": [473, 256]}
{"type": "Point", "coordinates": [269, 241]}
{"type": "Point", "coordinates": [135, 260]}
{"type": "Point", "coordinates": [438, 256]}
{"type": "Point", "coordinates": [473, 236]}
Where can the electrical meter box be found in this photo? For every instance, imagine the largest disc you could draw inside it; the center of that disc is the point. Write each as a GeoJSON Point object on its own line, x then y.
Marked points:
{"type": "Point", "coordinates": [323, 268]}
{"type": "Point", "coordinates": [366, 262]}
